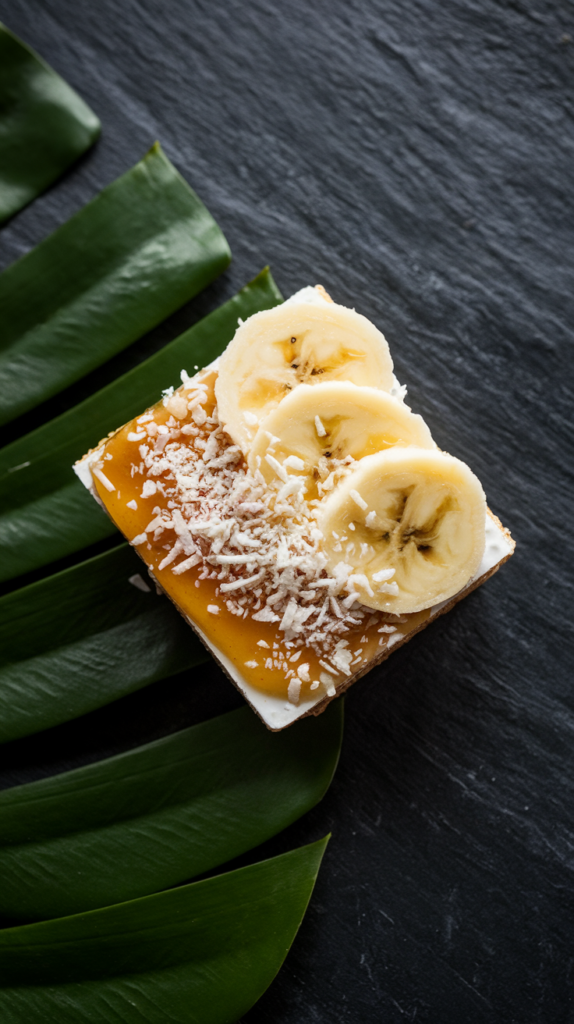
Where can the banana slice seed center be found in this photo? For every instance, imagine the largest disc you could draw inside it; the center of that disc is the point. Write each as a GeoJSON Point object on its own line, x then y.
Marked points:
{"type": "Point", "coordinates": [309, 358]}
{"type": "Point", "coordinates": [407, 526]}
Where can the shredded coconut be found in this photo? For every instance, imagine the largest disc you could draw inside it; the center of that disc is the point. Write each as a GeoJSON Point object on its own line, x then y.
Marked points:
{"type": "Point", "coordinates": [393, 639]}
{"type": "Point", "coordinates": [358, 499]}
{"type": "Point", "coordinates": [383, 574]}
{"type": "Point", "coordinates": [293, 462]}
{"type": "Point", "coordinates": [137, 581]}
{"type": "Point", "coordinates": [294, 691]}
{"type": "Point", "coordinates": [389, 588]}
{"type": "Point", "coordinates": [261, 544]}
{"type": "Point", "coordinates": [103, 478]}
{"type": "Point", "coordinates": [149, 488]}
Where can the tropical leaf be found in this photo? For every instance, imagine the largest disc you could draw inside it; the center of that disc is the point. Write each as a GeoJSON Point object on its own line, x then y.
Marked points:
{"type": "Point", "coordinates": [159, 814]}
{"type": "Point", "coordinates": [46, 512]}
{"type": "Point", "coordinates": [44, 125]}
{"type": "Point", "coordinates": [145, 245]}
{"type": "Point", "coordinates": [83, 638]}
{"type": "Point", "coordinates": [200, 954]}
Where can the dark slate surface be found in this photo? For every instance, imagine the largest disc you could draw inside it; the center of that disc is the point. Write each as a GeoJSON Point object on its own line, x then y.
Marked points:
{"type": "Point", "coordinates": [417, 159]}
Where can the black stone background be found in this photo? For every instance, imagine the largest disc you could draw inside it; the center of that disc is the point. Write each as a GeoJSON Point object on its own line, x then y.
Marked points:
{"type": "Point", "coordinates": [416, 158]}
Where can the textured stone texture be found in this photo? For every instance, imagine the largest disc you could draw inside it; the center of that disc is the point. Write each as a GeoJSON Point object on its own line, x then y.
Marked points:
{"type": "Point", "coordinates": [416, 158]}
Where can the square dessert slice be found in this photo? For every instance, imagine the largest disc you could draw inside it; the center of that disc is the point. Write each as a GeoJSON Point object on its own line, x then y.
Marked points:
{"type": "Point", "coordinates": [243, 558]}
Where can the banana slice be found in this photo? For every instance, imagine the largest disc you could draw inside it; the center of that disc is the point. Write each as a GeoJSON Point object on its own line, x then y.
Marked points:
{"type": "Point", "coordinates": [299, 342]}
{"type": "Point", "coordinates": [315, 426]}
{"type": "Point", "coordinates": [410, 525]}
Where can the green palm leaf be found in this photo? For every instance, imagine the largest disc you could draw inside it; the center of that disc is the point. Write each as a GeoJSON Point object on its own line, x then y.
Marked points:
{"type": "Point", "coordinates": [144, 246]}
{"type": "Point", "coordinates": [82, 638]}
{"type": "Point", "coordinates": [200, 954]}
{"type": "Point", "coordinates": [159, 814]}
{"type": "Point", "coordinates": [46, 512]}
{"type": "Point", "coordinates": [128, 826]}
{"type": "Point", "coordinates": [44, 125]}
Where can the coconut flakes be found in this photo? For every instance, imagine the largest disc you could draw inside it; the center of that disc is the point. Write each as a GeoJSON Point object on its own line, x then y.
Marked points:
{"type": "Point", "coordinates": [246, 534]}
